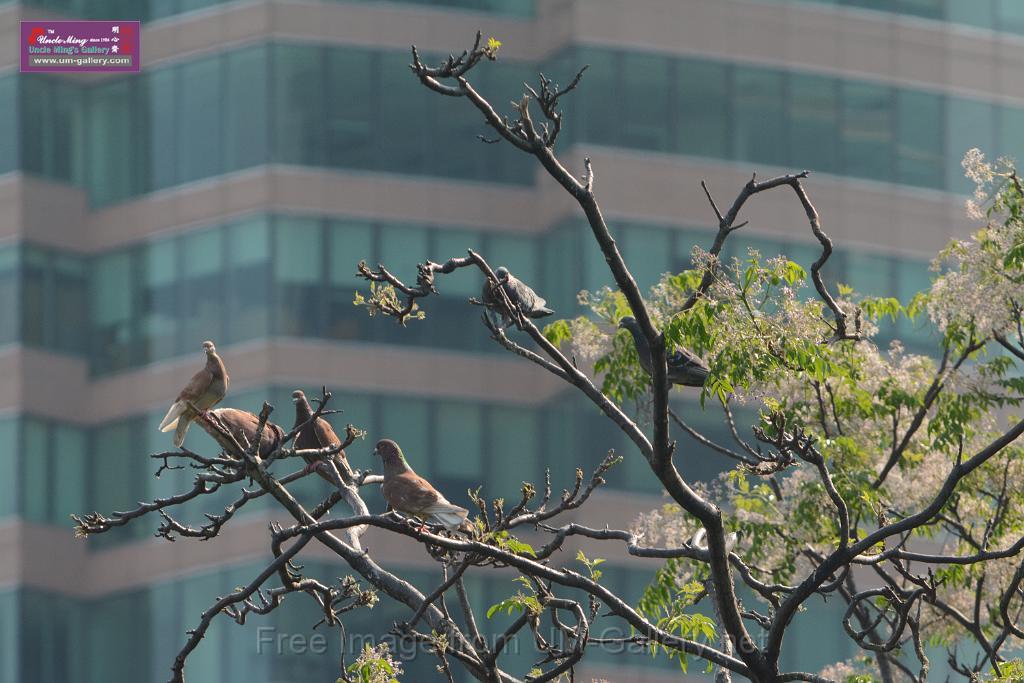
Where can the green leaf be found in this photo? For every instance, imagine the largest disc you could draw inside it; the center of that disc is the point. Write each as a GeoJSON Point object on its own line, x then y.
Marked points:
{"type": "Point", "coordinates": [558, 332]}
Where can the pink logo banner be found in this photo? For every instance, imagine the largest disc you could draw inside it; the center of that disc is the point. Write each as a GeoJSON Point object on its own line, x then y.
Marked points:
{"type": "Point", "coordinates": [68, 46]}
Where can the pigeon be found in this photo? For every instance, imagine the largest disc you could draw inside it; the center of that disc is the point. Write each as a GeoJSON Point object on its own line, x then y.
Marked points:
{"type": "Point", "coordinates": [318, 435]}
{"type": "Point", "coordinates": [409, 493]}
{"type": "Point", "coordinates": [243, 425]}
{"type": "Point", "coordinates": [205, 390]}
{"type": "Point", "coordinates": [684, 368]}
{"type": "Point", "coordinates": [519, 293]}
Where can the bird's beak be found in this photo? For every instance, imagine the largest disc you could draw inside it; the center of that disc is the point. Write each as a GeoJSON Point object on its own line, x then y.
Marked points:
{"type": "Point", "coordinates": [375, 452]}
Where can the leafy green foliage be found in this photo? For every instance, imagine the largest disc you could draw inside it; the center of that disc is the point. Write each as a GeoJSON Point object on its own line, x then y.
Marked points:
{"type": "Point", "coordinates": [558, 332]}
{"type": "Point", "coordinates": [516, 604]}
{"type": "Point", "coordinates": [506, 541]}
{"type": "Point", "coordinates": [591, 565]}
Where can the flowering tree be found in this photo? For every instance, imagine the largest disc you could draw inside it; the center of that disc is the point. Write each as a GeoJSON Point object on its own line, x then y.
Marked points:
{"type": "Point", "coordinates": [884, 479]}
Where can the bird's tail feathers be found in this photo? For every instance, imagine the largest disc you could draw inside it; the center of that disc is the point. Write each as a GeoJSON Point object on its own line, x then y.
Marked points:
{"type": "Point", "coordinates": [448, 515]}
{"type": "Point", "coordinates": [179, 431]}
{"type": "Point", "coordinates": [170, 420]}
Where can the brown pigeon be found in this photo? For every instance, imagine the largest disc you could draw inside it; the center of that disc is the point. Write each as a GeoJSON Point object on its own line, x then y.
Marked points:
{"type": "Point", "coordinates": [243, 425]}
{"type": "Point", "coordinates": [318, 435]}
{"type": "Point", "coordinates": [407, 492]}
{"type": "Point", "coordinates": [205, 390]}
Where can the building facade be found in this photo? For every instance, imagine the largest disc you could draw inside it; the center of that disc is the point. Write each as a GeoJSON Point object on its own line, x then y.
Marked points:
{"type": "Point", "coordinates": [228, 190]}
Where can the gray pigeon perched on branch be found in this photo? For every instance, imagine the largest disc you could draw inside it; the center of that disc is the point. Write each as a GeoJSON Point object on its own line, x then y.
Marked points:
{"type": "Point", "coordinates": [684, 368]}
{"type": "Point", "coordinates": [409, 493]}
{"type": "Point", "coordinates": [205, 390]}
{"type": "Point", "coordinates": [519, 293]}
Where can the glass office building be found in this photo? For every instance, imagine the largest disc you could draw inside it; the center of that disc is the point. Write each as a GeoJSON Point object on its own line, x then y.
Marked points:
{"type": "Point", "coordinates": [228, 190]}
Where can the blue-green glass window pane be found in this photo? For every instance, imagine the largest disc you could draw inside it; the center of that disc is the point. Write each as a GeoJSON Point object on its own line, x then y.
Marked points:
{"type": "Point", "coordinates": [40, 653]}
{"type": "Point", "coordinates": [50, 110]}
{"type": "Point", "coordinates": [111, 122]}
{"type": "Point", "coordinates": [645, 100]}
{"type": "Point", "coordinates": [10, 628]}
{"type": "Point", "coordinates": [912, 277]}
{"type": "Point", "coordinates": [118, 640]}
{"type": "Point", "coordinates": [9, 136]}
{"type": "Point", "coordinates": [298, 95]}
{"type": "Point", "coordinates": [407, 421]}
{"type": "Point", "coordinates": [350, 243]}
{"type": "Point", "coordinates": [202, 316]}
{"type": "Point", "coordinates": [920, 139]}
{"type": "Point", "coordinates": [502, 162]}
{"type": "Point", "coordinates": [813, 122]}
{"type": "Point", "coordinates": [159, 9]}
{"type": "Point", "coordinates": [350, 98]}
{"type": "Point", "coordinates": [164, 605]}
{"type": "Point", "coordinates": [517, 254]}
{"type": "Point", "coordinates": [760, 133]}
{"type": "Point", "coordinates": [1011, 133]}
{"type": "Point", "coordinates": [34, 102]}
{"type": "Point", "coordinates": [452, 146]}
{"type": "Point", "coordinates": [162, 92]}
{"type": "Point", "coordinates": [459, 442]}
{"type": "Point", "coordinates": [111, 309]}
{"type": "Point", "coordinates": [522, 8]}
{"type": "Point", "coordinates": [401, 145]}
{"type": "Point", "coordinates": [298, 270]}
{"type": "Point", "coordinates": [119, 471]}
{"type": "Point", "coordinates": [35, 479]}
{"type": "Point", "coordinates": [598, 117]}
{"type": "Point", "coordinates": [190, 5]}
{"type": "Point", "coordinates": [69, 473]}
{"type": "Point", "coordinates": [560, 268]}
{"type": "Point", "coordinates": [978, 13]}
{"type": "Point", "coordinates": [595, 269]}
{"type": "Point", "coordinates": [931, 9]}
{"type": "Point", "coordinates": [513, 450]}
{"type": "Point", "coordinates": [464, 282]}
{"type": "Point", "coordinates": [160, 299]}
{"type": "Point", "coordinates": [869, 274]}
{"type": "Point", "coordinates": [703, 109]}
{"type": "Point", "coordinates": [170, 482]}
{"type": "Point", "coordinates": [9, 295]}
{"type": "Point", "coordinates": [246, 104]}
{"type": "Point", "coordinates": [1010, 16]}
{"type": "Point", "coordinates": [200, 119]}
{"type": "Point", "coordinates": [248, 278]}
{"type": "Point", "coordinates": [648, 252]}
{"type": "Point", "coordinates": [112, 478]}
{"type": "Point", "coordinates": [35, 269]}
{"type": "Point", "coordinates": [971, 124]}
{"type": "Point", "coordinates": [70, 307]}
{"type": "Point", "coordinates": [9, 475]}
{"type": "Point", "coordinates": [803, 253]}
{"type": "Point", "coordinates": [402, 247]}
{"type": "Point", "coordinates": [867, 131]}
{"type": "Point", "coordinates": [359, 412]}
